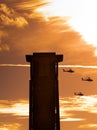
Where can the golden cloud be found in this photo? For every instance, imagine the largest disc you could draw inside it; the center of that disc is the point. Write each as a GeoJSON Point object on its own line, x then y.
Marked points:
{"type": "Point", "coordinates": [10, 17]}
{"type": "Point", "coordinates": [69, 19]}
{"type": "Point", "coordinates": [68, 105]}
{"type": "Point", "coordinates": [8, 126]}
{"type": "Point", "coordinates": [88, 126]}
{"type": "Point", "coordinates": [6, 10]}
{"type": "Point", "coordinates": [15, 108]}
{"type": "Point", "coordinates": [29, 7]}
{"type": "Point", "coordinates": [15, 65]}
{"type": "Point", "coordinates": [72, 119]}
{"type": "Point", "coordinates": [77, 103]}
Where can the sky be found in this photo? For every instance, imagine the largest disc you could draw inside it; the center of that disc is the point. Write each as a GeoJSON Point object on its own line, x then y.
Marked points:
{"type": "Point", "coordinates": [67, 27]}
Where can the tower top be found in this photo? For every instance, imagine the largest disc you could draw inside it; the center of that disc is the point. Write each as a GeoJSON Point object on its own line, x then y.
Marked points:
{"type": "Point", "coordinates": [52, 55]}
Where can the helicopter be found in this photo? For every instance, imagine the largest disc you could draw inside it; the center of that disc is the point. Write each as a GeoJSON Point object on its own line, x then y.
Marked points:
{"type": "Point", "coordinates": [87, 79]}
{"type": "Point", "coordinates": [68, 70]}
{"type": "Point", "coordinates": [79, 94]}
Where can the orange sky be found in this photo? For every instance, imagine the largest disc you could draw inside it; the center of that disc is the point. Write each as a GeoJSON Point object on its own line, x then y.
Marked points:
{"type": "Point", "coordinates": [66, 27]}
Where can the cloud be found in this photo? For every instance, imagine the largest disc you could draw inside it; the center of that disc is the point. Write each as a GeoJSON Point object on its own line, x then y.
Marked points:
{"type": "Point", "coordinates": [42, 34]}
{"type": "Point", "coordinates": [9, 17]}
{"type": "Point", "coordinates": [51, 12]}
{"type": "Point", "coordinates": [30, 5]}
{"type": "Point", "coordinates": [84, 103]}
{"type": "Point", "coordinates": [72, 119]}
{"type": "Point", "coordinates": [69, 105]}
{"type": "Point", "coordinates": [8, 126]}
{"type": "Point", "coordinates": [78, 66]}
{"type": "Point", "coordinates": [15, 65]}
{"type": "Point", "coordinates": [4, 9]}
{"type": "Point", "coordinates": [3, 45]}
{"type": "Point", "coordinates": [14, 108]}
{"type": "Point", "coordinates": [88, 126]}
{"type": "Point", "coordinates": [2, 34]}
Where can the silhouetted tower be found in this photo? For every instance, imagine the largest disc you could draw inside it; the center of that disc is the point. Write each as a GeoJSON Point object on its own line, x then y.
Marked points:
{"type": "Point", "coordinates": [44, 95]}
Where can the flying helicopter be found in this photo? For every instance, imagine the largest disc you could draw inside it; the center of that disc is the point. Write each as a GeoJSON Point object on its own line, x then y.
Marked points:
{"type": "Point", "coordinates": [87, 79]}
{"type": "Point", "coordinates": [79, 94]}
{"type": "Point", "coordinates": [68, 70]}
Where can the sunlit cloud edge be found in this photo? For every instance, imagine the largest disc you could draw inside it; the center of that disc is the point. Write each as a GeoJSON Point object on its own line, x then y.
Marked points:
{"type": "Point", "coordinates": [68, 105]}
{"type": "Point", "coordinates": [72, 119]}
{"type": "Point", "coordinates": [60, 66]}
{"type": "Point", "coordinates": [9, 126]}
{"type": "Point", "coordinates": [88, 126]}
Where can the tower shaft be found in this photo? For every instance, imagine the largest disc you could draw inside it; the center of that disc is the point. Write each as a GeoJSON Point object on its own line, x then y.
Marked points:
{"type": "Point", "coordinates": [44, 94]}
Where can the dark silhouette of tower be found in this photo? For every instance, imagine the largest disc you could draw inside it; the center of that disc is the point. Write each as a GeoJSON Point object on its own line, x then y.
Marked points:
{"type": "Point", "coordinates": [44, 96]}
